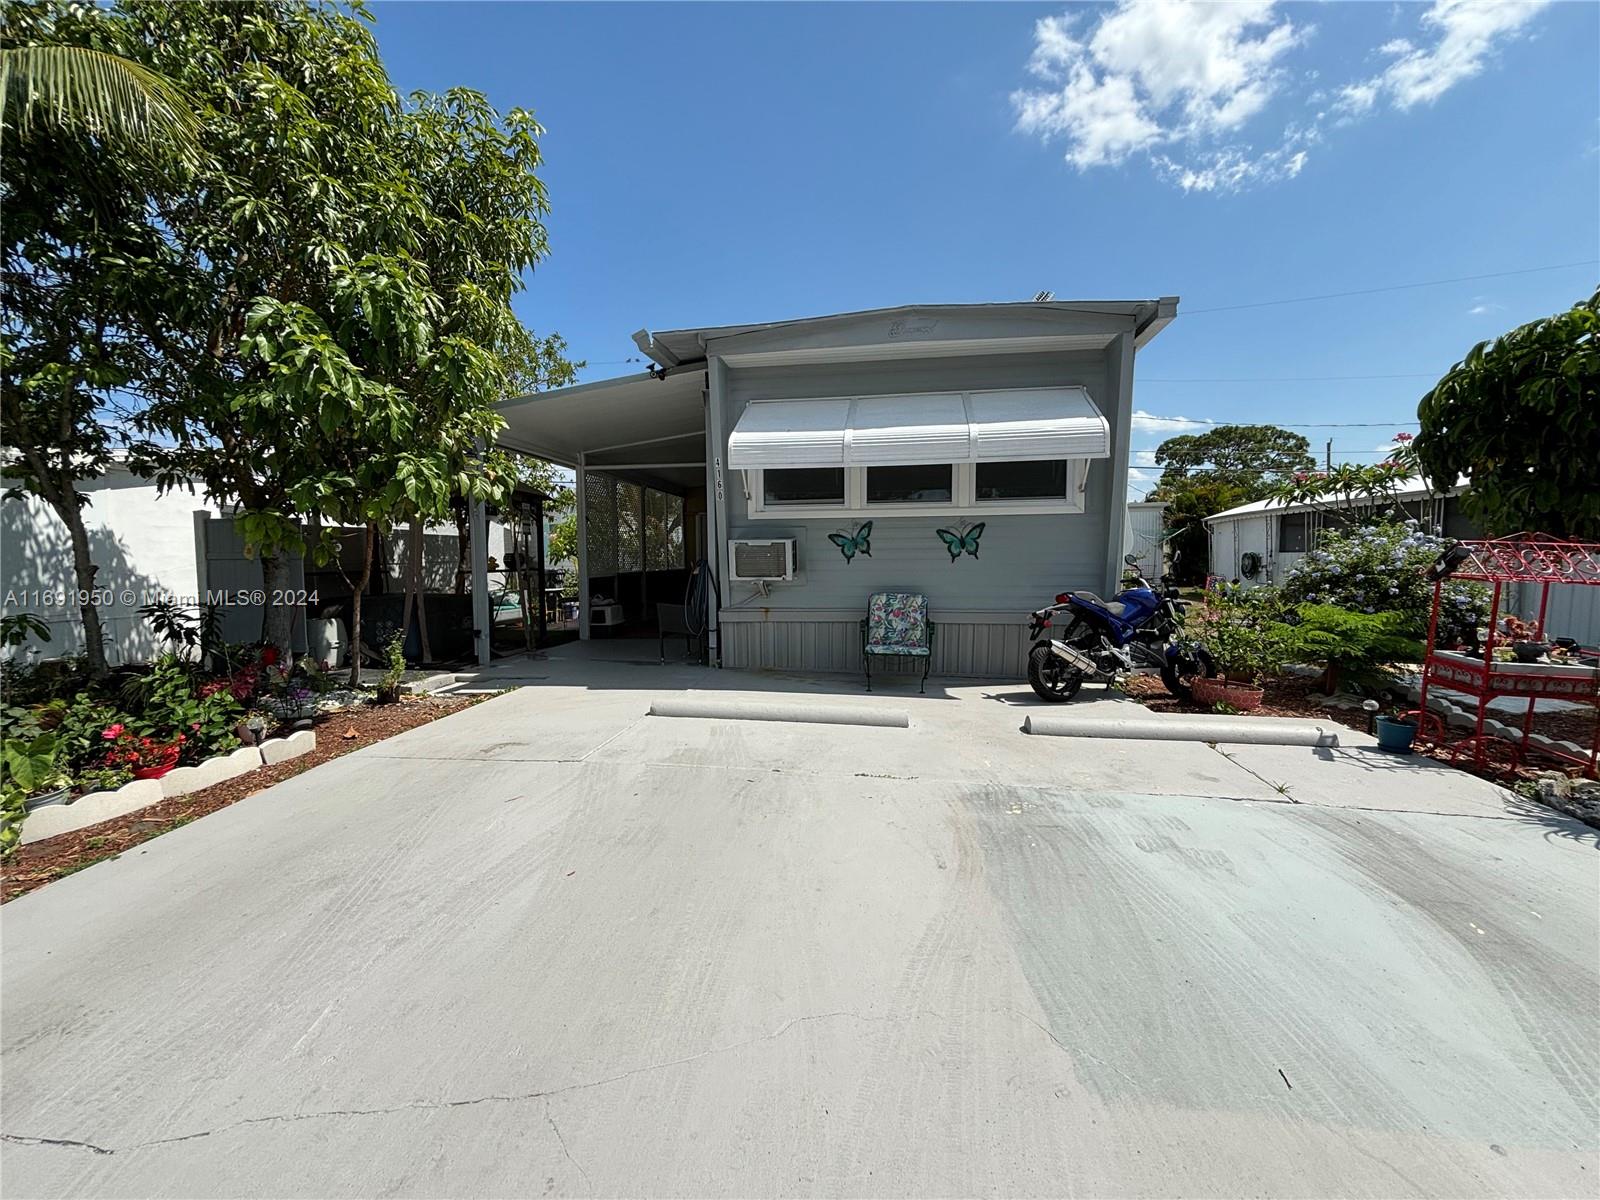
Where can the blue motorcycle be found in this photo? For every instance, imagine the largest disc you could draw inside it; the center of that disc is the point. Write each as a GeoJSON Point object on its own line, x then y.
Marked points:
{"type": "Point", "coordinates": [1135, 632]}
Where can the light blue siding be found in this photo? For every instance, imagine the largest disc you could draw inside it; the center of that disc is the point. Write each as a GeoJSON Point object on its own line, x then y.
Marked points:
{"type": "Point", "coordinates": [961, 648]}
{"type": "Point", "coordinates": [1022, 561]}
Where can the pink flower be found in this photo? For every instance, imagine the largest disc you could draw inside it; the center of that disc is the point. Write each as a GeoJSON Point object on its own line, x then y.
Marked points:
{"type": "Point", "coordinates": [111, 732]}
{"type": "Point", "coordinates": [1403, 437]}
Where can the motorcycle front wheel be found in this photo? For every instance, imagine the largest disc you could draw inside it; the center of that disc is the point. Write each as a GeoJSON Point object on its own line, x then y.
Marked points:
{"type": "Point", "coordinates": [1051, 678]}
{"type": "Point", "coordinates": [1179, 676]}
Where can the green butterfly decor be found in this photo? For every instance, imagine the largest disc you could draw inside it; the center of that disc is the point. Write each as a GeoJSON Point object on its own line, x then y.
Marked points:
{"type": "Point", "coordinates": [966, 540]}
{"type": "Point", "coordinates": [851, 544]}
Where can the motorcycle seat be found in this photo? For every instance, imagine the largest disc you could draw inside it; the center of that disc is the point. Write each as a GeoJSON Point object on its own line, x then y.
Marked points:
{"type": "Point", "coordinates": [1115, 607]}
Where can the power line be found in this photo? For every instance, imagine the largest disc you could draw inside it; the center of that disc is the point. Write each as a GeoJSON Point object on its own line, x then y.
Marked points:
{"type": "Point", "coordinates": [1393, 287]}
{"type": "Point", "coordinates": [1292, 379]}
{"type": "Point", "coordinates": [1209, 425]}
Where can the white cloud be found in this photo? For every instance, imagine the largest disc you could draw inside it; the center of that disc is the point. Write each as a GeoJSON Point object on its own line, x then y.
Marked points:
{"type": "Point", "coordinates": [1232, 169]}
{"type": "Point", "coordinates": [1152, 73]}
{"type": "Point", "coordinates": [1151, 423]}
{"type": "Point", "coordinates": [1357, 98]}
{"type": "Point", "coordinates": [1464, 34]}
{"type": "Point", "coordinates": [1140, 482]}
{"type": "Point", "coordinates": [1483, 308]}
{"type": "Point", "coordinates": [1179, 83]}
{"type": "Point", "coordinates": [1144, 458]}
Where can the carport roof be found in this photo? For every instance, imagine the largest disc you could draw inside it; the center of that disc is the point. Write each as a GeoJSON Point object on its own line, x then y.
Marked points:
{"type": "Point", "coordinates": [637, 421]}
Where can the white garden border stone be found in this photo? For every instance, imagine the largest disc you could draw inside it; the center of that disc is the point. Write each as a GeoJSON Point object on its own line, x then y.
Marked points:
{"type": "Point", "coordinates": [94, 807]}
{"type": "Point", "coordinates": [277, 750]}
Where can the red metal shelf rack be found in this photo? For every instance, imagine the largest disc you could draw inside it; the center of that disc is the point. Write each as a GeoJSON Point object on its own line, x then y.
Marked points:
{"type": "Point", "coordinates": [1521, 558]}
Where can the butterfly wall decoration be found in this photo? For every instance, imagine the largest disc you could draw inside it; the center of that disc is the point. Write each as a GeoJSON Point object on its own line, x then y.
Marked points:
{"type": "Point", "coordinates": [964, 542]}
{"type": "Point", "coordinates": [851, 544]}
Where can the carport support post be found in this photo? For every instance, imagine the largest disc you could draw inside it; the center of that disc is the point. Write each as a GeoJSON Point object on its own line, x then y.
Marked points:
{"type": "Point", "coordinates": [1120, 363]}
{"type": "Point", "coordinates": [582, 490]}
{"type": "Point", "coordinates": [716, 497]}
{"type": "Point", "coordinates": [482, 615]}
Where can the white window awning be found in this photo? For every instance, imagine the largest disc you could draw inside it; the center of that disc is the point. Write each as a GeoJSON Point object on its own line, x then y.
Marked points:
{"type": "Point", "coordinates": [930, 427]}
{"type": "Point", "coordinates": [790, 433]}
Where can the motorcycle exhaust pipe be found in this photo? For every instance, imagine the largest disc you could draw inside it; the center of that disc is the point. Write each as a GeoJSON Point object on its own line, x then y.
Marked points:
{"type": "Point", "coordinates": [1075, 658]}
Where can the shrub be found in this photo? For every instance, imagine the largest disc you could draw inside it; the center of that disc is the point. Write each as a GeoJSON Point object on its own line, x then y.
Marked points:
{"type": "Point", "coordinates": [79, 723]}
{"type": "Point", "coordinates": [1351, 645]}
{"type": "Point", "coordinates": [178, 705]}
{"type": "Point", "coordinates": [1244, 639]}
{"type": "Point", "coordinates": [30, 763]}
{"type": "Point", "coordinates": [394, 654]}
{"type": "Point", "coordinates": [1379, 569]}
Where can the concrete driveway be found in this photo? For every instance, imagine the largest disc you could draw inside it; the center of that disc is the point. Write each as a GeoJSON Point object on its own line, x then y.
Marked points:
{"type": "Point", "coordinates": [552, 946]}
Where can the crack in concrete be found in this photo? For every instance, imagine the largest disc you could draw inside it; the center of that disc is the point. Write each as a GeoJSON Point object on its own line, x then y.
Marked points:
{"type": "Point", "coordinates": [556, 1129]}
{"type": "Point", "coordinates": [436, 1105]}
{"type": "Point", "coordinates": [23, 1140]}
{"type": "Point", "coordinates": [1070, 1051]}
{"type": "Point", "coordinates": [1050, 791]}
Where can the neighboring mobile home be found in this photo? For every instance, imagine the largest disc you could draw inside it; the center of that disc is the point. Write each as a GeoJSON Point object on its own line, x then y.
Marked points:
{"type": "Point", "coordinates": [1259, 543]}
{"type": "Point", "coordinates": [180, 547]}
{"type": "Point", "coordinates": [977, 453]}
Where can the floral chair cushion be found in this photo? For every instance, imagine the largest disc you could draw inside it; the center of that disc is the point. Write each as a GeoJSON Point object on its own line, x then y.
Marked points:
{"type": "Point", "coordinates": [897, 623]}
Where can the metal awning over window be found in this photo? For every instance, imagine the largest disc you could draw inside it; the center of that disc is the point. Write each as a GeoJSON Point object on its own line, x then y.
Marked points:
{"type": "Point", "coordinates": [934, 427]}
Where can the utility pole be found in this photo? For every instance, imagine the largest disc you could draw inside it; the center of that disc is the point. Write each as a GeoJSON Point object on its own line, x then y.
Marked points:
{"type": "Point", "coordinates": [1329, 460]}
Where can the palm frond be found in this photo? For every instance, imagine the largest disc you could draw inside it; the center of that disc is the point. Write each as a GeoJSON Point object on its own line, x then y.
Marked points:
{"type": "Point", "coordinates": [104, 94]}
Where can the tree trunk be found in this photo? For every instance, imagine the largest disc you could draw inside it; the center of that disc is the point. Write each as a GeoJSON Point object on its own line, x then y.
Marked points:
{"type": "Point", "coordinates": [277, 620]}
{"type": "Point", "coordinates": [84, 570]}
{"type": "Point", "coordinates": [355, 605]}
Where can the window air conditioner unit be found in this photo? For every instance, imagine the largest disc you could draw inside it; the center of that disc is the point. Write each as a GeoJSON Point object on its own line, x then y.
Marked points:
{"type": "Point", "coordinates": [761, 560]}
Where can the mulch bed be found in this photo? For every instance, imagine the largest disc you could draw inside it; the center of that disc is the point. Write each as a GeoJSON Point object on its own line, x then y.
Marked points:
{"type": "Point", "coordinates": [1296, 696]}
{"type": "Point", "coordinates": [1286, 696]}
{"type": "Point", "coordinates": [338, 733]}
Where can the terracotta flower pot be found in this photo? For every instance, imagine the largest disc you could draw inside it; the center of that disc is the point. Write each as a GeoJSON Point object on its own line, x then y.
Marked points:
{"type": "Point", "coordinates": [1243, 696]}
{"type": "Point", "coordinates": [157, 769]}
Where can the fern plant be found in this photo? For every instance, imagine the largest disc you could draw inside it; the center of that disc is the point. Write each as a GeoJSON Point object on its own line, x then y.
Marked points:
{"type": "Point", "coordinates": [1351, 645]}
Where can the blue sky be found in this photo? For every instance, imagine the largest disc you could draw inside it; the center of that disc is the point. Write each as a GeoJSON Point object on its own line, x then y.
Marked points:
{"type": "Point", "coordinates": [723, 163]}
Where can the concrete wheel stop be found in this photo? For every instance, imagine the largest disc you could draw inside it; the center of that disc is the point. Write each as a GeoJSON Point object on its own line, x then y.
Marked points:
{"type": "Point", "coordinates": [1244, 731]}
{"type": "Point", "coordinates": [766, 710]}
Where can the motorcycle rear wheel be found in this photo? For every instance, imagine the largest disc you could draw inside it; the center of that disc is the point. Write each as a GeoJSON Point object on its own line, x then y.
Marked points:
{"type": "Point", "coordinates": [1051, 679]}
{"type": "Point", "coordinates": [1178, 678]}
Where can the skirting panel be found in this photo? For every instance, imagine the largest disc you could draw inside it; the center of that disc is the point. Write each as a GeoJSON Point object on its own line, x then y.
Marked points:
{"type": "Point", "coordinates": [971, 649]}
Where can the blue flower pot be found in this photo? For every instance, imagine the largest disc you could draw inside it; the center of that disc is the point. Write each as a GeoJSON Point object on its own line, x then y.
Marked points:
{"type": "Point", "coordinates": [1396, 736]}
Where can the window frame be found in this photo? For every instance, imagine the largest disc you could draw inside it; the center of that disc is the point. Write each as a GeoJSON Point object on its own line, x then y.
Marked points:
{"type": "Point", "coordinates": [880, 505]}
{"type": "Point", "coordinates": [963, 501]}
{"type": "Point", "coordinates": [759, 492]}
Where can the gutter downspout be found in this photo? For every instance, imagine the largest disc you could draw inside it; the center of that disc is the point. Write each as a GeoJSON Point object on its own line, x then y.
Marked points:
{"type": "Point", "coordinates": [660, 355]}
{"type": "Point", "coordinates": [1166, 310]}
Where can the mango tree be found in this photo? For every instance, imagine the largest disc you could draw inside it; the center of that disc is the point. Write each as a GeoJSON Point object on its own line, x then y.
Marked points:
{"type": "Point", "coordinates": [296, 183]}
{"type": "Point", "coordinates": [1520, 418]}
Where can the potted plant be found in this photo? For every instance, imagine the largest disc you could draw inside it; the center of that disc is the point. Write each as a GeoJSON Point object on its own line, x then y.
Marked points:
{"type": "Point", "coordinates": [1246, 645]}
{"type": "Point", "coordinates": [1396, 733]}
{"type": "Point", "coordinates": [144, 757]}
{"type": "Point", "coordinates": [32, 762]}
{"type": "Point", "coordinates": [1524, 648]}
